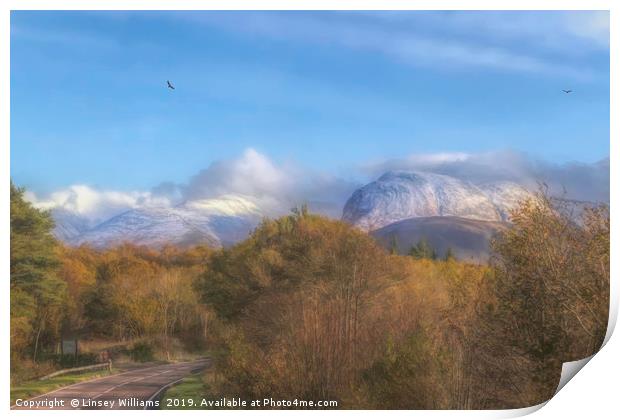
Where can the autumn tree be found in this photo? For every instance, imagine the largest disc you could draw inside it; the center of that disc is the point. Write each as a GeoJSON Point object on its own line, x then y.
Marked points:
{"type": "Point", "coordinates": [176, 304]}
{"type": "Point", "coordinates": [78, 268]}
{"type": "Point", "coordinates": [549, 298]}
{"type": "Point", "coordinates": [299, 290]}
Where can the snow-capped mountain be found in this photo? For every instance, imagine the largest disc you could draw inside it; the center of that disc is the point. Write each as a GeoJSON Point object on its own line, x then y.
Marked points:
{"type": "Point", "coordinates": [69, 225]}
{"type": "Point", "coordinates": [216, 222]}
{"type": "Point", "coordinates": [505, 196]}
{"type": "Point", "coordinates": [228, 219]}
{"type": "Point", "coordinates": [401, 195]}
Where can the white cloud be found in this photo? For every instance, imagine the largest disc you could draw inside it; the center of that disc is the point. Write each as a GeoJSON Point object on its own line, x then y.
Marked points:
{"type": "Point", "coordinates": [592, 26]}
{"type": "Point", "coordinates": [579, 181]}
{"type": "Point", "coordinates": [523, 41]}
{"type": "Point", "coordinates": [250, 174]}
{"type": "Point", "coordinates": [273, 188]}
{"type": "Point", "coordinates": [64, 37]}
{"type": "Point", "coordinates": [551, 30]}
{"type": "Point", "coordinates": [544, 42]}
{"type": "Point", "coordinates": [94, 204]}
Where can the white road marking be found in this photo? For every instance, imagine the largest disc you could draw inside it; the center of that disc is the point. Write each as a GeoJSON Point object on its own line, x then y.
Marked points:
{"type": "Point", "coordinates": [128, 382]}
{"type": "Point", "coordinates": [112, 376]}
{"type": "Point", "coordinates": [81, 383]}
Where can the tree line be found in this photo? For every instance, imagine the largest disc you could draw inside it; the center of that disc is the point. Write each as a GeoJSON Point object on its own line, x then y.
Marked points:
{"type": "Point", "coordinates": [308, 307]}
{"type": "Point", "coordinates": [311, 308]}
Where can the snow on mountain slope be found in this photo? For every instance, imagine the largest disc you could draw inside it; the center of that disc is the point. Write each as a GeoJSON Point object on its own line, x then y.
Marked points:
{"type": "Point", "coordinates": [505, 196]}
{"type": "Point", "coordinates": [216, 222]}
{"type": "Point", "coordinates": [400, 195]}
{"type": "Point", "coordinates": [228, 219]}
{"type": "Point", "coordinates": [68, 224]}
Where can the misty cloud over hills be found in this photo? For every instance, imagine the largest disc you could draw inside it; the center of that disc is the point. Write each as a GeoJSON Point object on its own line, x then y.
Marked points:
{"type": "Point", "coordinates": [577, 180]}
{"type": "Point", "coordinates": [223, 202]}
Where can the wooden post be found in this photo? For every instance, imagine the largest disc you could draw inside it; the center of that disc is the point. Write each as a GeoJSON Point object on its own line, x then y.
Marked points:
{"type": "Point", "coordinates": [109, 365]}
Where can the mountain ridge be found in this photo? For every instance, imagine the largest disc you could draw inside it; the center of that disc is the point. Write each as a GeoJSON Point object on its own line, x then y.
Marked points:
{"type": "Point", "coordinates": [217, 222]}
{"type": "Point", "coordinates": [401, 195]}
{"type": "Point", "coordinates": [225, 220]}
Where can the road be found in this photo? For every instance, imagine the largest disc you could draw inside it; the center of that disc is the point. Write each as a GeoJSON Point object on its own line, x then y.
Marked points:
{"type": "Point", "coordinates": [134, 389]}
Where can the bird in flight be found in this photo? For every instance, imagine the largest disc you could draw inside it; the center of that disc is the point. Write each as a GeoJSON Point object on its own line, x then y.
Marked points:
{"type": "Point", "coordinates": [170, 85]}
{"type": "Point", "coordinates": [566, 91]}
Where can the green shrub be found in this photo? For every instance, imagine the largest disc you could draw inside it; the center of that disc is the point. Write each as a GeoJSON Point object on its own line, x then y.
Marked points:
{"type": "Point", "coordinates": [141, 351]}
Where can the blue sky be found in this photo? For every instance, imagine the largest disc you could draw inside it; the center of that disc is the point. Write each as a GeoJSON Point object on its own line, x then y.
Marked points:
{"type": "Point", "coordinates": [327, 91]}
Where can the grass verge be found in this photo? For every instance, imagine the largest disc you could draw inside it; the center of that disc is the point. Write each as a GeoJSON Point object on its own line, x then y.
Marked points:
{"type": "Point", "coordinates": [33, 388]}
{"type": "Point", "coordinates": [191, 389]}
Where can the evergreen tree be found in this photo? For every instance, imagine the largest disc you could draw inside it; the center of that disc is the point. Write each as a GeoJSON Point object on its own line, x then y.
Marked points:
{"type": "Point", "coordinates": [393, 245]}
{"type": "Point", "coordinates": [34, 278]}
{"type": "Point", "coordinates": [423, 250]}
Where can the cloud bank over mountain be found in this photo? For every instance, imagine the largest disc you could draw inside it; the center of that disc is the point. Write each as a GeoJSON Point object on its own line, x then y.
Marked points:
{"type": "Point", "coordinates": [96, 204]}
{"type": "Point", "coordinates": [276, 187]}
{"type": "Point", "coordinates": [577, 180]}
{"type": "Point", "coordinates": [273, 187]}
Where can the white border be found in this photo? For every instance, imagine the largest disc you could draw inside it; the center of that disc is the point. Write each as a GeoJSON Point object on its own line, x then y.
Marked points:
{"type": "Point", "coordinates": [594, 393]}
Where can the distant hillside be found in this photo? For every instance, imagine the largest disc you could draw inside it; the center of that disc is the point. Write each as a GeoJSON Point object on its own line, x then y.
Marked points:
{"type": "Point", "coordinates": [401, 195]}
{"type": "Point", "coordinates": [216, 222]}
{"type": "Point", "coordinates": [395, 197]}
{"type": "Point", "coordinates": [468, 238]}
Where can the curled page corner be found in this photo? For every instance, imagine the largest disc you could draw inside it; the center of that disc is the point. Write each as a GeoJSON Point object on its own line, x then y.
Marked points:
{"type": "Point", "coordinates": [521, 412]}
{"type": "Point", "coordinates": [613, 313]}
{"type": "Point", "coordinates": [569, 370]}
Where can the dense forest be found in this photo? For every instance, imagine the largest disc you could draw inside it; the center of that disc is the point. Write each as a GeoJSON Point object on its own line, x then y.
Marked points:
{"type": "Point", "coordinates": [308, 307]}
